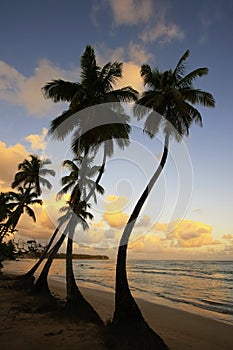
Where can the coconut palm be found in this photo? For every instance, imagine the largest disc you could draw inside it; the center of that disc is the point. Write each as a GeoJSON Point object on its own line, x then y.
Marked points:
{"type": "Point", "coordinates": [78, 182]}
{"type": "Point", "coordinates": [5, 211]}
{"type": "Point", "coordinates": [75, 213]}
{"type": "Point", "coordinates": [32, 174]}
{"type": "Point", "coordinates": [20, 202]}
{"type": "Point", "coordinates": [172, 94]}
{"type": "Point", "coordinates": [95, 88]}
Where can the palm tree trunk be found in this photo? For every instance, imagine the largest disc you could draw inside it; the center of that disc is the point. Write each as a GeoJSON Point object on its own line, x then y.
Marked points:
{"type": "Point", "coordinates": [41, 285]}
{"type": "Point", "coordinates": [76, 305]}
{"type": "Point", "coordinates": [73, 292]}
{"type": "Point", "coordinates": [31, 272]}
{"type": "Point", "coordinates": [126, 309]}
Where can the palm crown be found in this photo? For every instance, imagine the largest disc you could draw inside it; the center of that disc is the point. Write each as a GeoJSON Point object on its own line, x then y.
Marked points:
{"type": "Point", "coordinates": [31, 173]}
{"type": "Point", "coordinates": [172, 94]}
{"type": "Point", "coordinates": [96, 87]}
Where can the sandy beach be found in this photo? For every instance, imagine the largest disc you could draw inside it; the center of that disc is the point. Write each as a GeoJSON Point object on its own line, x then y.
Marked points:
{"type": "Point", "coordinates": [21, 328]}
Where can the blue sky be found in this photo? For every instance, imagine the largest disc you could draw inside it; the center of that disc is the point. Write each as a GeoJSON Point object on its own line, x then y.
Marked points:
{"type": "Point", "coordinates": [44, 40]}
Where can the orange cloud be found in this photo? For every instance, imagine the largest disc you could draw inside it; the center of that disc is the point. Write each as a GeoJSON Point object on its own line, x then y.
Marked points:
{"type": "Point", "coordinates": [26, 91]}
{"type": "Point", "coordinates": [37, 141]}
{"type": "Point", "coordinates": [190, 234]}
{"type": "Point", "coordinates": [114, 214]}
{"type": "Point", "coordinates": [9, 160]}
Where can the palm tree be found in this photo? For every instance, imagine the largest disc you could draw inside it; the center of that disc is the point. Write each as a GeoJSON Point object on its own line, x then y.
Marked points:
{"type": "Point", "coordinates": [5, 212]}
{"type": "Point", "coordinates": [31, 174]}
{"type": "Point", "coordinates": [75, 213]}
{"type": "Point", "coordinates": [78, 182]}
{"type": "Point", "coordinates": [95, 88]}
{"type": "Point", "coordinates": [172, 94]}
{"type": "Point", "coordinates": [20, 202]}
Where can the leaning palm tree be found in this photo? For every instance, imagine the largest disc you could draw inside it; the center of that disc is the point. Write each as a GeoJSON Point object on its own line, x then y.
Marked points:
{"type": "Point", "coordinates": [21, 202]}
{"type": "Point", "coordinates": [78, 182]}
{"type": "Point", "coordinates": [79, 187]}
{"type": "Point", "coordinates": [95, 185]}
{"type": "Point", "coordinates": [172, 94]}
{"type": "Point", "coordinates": [96, 87]}
{"type": "Point", "coordinates": [75, 213]}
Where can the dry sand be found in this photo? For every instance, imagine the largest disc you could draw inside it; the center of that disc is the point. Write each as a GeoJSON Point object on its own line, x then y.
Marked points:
{"type": "Point", "coordinates": [181, 330]}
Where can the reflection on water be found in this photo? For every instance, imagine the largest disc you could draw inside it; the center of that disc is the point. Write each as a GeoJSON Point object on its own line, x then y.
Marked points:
{"type": "Point", "coordinates": [191, 285]}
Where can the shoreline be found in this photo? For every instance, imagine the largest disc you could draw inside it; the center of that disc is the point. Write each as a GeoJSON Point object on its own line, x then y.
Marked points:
{"type": "Point", "coordinates": [189, 308]}
{"type": "Point", "coordinates": [179, 329]}
{"type": "Point", "coordinates": [169, 322]}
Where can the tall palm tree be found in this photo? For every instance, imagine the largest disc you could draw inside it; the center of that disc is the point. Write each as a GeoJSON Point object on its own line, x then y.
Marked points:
{"type": "Point", "coordinates": [172, 94]}
{"type": "Point", "coordinates": [78, 182]}
{"type": "Point", "coordinates": [75, 213]}
{"type": "Point", "coordinates": [34, 268]}
{"type": "Point", "coordinates": [31, 174]}
{"type": "Point", "coordinates": [95, 88]}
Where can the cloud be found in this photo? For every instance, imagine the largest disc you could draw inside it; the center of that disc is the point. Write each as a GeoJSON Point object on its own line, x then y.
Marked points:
{"type": "Point", "coordinates": [132, 57]}
{"type": "Point", "coordinates": [37, 141]}
{"type": "Point", "coordinates": [131, 12]}
{"type": "Point", "coordinates": [144, 222]}
{"type": "Point", "coordinates": [228, 237]}
{"type": "Point", "coordinates": [162, 31]}
{"type": "Point", "coordinates": [26, 91]}
{"type": "Point", "coordinates": [197, 211]}
{"type": "Point", "coordinates": [147, 244]}
{"type": "Point", "coordinates": [9, 160]}
{"type": "Point", "coordinates": [190, 234]}
{"type": "Point", "coordinates": [138, 54]}
{"type": "Point", "coordinates": [114, 215]}
{"type": "Point", "coordinates": [131, 77]}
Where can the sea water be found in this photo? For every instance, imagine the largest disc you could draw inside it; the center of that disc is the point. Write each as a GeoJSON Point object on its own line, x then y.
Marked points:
{"type": "Point", "coordinates": [202, 287]}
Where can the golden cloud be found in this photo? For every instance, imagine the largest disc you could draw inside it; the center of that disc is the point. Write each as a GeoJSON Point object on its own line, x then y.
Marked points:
{"type": "Point", "coordinates": [147, 243]}
{"type": "Point", "coordinates": [26, 92]}
{"type": "Point", "coordinates": [37, 141]}
{"type": "Point", "coordinates": [9, 160]}
{"type": "Point", "coordinates": [114, 214]}
{"type": "Point", "coordinates": [190, 234]}
{"type": "Point", "coordinates": [228, 237]}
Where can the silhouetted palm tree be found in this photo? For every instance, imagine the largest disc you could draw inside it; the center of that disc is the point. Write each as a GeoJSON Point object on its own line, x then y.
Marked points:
{"type": "Point", "coordinates": [78, 182]}
{"type": "Point", "coordinates": [20, 202]}
{"type": "Point", "coordinates": [31, 174]}
{"type": "Point", "coordinates": [171, 94]}
{"type": "Point", "coordinates": [5, 211]}
{"type": "Point", "coordinates": [96, 87]}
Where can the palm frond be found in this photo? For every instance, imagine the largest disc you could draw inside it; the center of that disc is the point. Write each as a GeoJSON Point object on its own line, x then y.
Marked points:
{"type": "Point", "coordinates": [31, 213]}
{"type": "Point", "coordinates": [60, 90]}
{"type": "Point", "coordinates": [180, 67]}
{"type": "Point", "coordinates": [189, 78]}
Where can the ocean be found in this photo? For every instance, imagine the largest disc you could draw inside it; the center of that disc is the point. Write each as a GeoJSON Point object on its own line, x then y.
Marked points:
{"type": "Point", "coordinates": [202, 287]}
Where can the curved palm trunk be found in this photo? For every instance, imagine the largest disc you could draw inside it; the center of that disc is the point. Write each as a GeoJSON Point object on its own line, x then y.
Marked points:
{"type": "Point", "coordinates": [76, 304]}
{"type": "Point", "coordinates": [31, 272]}
{"type": "Point", "coordinates": [126, 309]}
{"type": "Point", "coordinates": [41, 285]}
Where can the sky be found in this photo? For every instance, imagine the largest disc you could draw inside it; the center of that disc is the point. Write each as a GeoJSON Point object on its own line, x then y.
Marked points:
{"type": "Point", "coordinates": [189, 213]}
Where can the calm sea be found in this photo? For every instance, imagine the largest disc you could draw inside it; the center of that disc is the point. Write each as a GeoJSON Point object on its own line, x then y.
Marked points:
{"type": "Point", "coordinates": [203, 287]}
